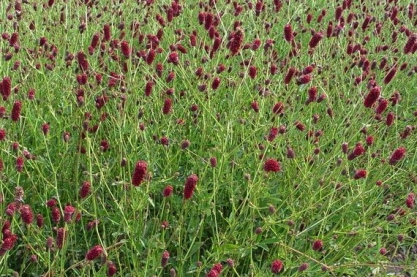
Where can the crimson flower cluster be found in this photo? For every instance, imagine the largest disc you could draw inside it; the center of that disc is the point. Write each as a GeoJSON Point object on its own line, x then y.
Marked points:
{"type": "Point", "coordinates": [139, 173]}
{"type": "Point", "coordinates": [277, 266]}
{"type": "Point", "coordinates": [272, 165]}
{"type": "Point", "coordinates": [190, 185]}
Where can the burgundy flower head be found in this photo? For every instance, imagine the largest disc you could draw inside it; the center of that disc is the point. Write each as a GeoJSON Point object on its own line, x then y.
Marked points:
{"type": "Point", "coordinates": [68, 213]}
{"type": "Point", "coordinates": [278, 108]}
{"type": "Point", "coordinates": [382, 105]}
{"type": "Point", "coordinates": [148, 88]}
{"type": "Point", "coordinates": [252, 72]}
{"type": "Point", "coordinates": [168, 191]}
{"type": "Point", "coordinates": [55, 214]}
{"type": "Point", "coordinates": [94, 252]}
{"type": "Point", "coordinates": [26, 214]}
{"type": "Point", "coordinates": [20, 164]}
{"type": "Point", "coordinates": [304, 79]}
{"type": "Point", "coordinates": [277, 266]}
{"type": "Point", "coordinates": [125, 48]}
{"type": "Point", "coordinates": [6, 87]}
{"type": "Point", "coordinates": [372, 97]}
{"type": "Point", "coordinates": [173, 58]}
{"type": "Point", "coordinates": [85, 189]}
{"type": "Point", "coordinates": [39, 220]}
{"type": "Point", "coordinates": [390, 119]}
{"type": "Point", "coordinates": [139, 173]}
{"type": "Point", "coordinates": [317, 245]}
{"type": "Point", "coordinates": [288, 34]}
{"type": "Point", "coordinates": [17, 107]}
{"type": "Point", "coordinates": [60, 237]}
{"type": "Point", "coordinates": [165, 258]}
{"type": "Point", "coordinates": [290, 74]}
{"type": "Point", "coordinates": [82, 61]}
{"type": "Point", "coordinates": [315, 39]}
{"type": "Point", "coordinates": [390, 75]}
{"type": "Point", "coordinates": [167, 106]}
{"type": "Point", "coordinates": [215, 84]}
{"type": "Point", "coordinates": [106, 32]}
{"type": "Point", "coordinates": [255, 106]}
{"type": "Point", "coordinates": [2, 134]}
{"type": "Point", "coordinates": [190, 185]}
{"type": "Point", "coordinates": [360, 174]}
{"type": "Point", "coordinates": [410, 201]}
{"type": "Point", "coordinates": [303, 267]}
{"type": "Point", "coordinates": [356, 152]}
{"type": "Point", "coordinates": [111, 269]}
{"type": "Point", "coordinates": [272, 165]}
{"type": "Point", "coordinates": [397, 155]}
{"type": "Point", "coordinates": [273, 132]}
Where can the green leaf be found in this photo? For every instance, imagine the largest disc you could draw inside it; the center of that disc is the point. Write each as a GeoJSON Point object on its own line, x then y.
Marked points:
{"type": "Point", "coordinates": [263, 246]}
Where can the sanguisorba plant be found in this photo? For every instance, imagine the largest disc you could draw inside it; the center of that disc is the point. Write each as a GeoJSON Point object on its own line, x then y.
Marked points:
{"type": "Point", "coordinates": [208, 138]}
